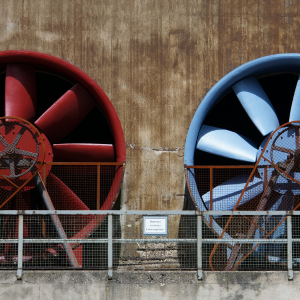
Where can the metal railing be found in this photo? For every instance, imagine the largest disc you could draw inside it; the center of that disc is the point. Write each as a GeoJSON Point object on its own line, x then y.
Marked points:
{"type": "Point", "coordinates": [114, 240]}
{"type": "Point", "coordinates": [95, 184]}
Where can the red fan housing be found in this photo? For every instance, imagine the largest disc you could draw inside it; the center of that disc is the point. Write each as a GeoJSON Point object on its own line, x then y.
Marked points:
{"type": "Point", "coordinates": [55, 124]}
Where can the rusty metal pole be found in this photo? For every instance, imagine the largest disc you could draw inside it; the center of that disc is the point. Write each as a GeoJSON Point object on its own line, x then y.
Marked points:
{"type": "Point", "coordinates": [56, 221]}
{"type": "Point", "coordinates": [235, 257]}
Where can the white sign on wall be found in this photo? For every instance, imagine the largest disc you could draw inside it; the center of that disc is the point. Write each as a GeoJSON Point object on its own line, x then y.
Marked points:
{"type": "Point", "coordinates": [153, 225]}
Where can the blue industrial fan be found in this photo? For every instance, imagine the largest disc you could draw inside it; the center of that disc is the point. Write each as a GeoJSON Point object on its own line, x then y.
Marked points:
{"type": "Point", "coordinates": [232, 145]}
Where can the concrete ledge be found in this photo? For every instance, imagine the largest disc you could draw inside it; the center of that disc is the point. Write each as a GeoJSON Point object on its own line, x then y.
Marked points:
{"type": "Point", "coordinates": [133, 285]}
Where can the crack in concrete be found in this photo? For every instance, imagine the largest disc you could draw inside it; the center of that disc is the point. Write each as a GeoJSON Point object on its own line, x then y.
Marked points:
{"type": "Point", "coordinates": [157, 151]}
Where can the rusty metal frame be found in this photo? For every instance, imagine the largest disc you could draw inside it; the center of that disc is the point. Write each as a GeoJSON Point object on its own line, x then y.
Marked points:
{"type": "Point", "coordinates": [251, 221]}
{"type": "Point", "coordinates": [9, 181]}
{"type": "Point", "coordinates": [236, 265]}
{"type": "Point", "coordinates": [241, 259]}
{"type": "Point", "coordinates": [98, 186]}
{"type": "Point", "coordinates": [254, 168]}
{"type": "Point", "coordinates": [237, 247]}
{"type": "Point", "coordinates": [281, 171]}
{"type": "Point", "coordinates": [258, 160]}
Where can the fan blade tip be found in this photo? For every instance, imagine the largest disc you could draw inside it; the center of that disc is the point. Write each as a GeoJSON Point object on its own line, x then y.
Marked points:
{"type": "Point", "coordinates": [226, 143]}
{"type": "Point", "coordinates": [84, 152]}
{"type": "Point", "coordinates": [20, 91]}
{"type": "Point", "coordinates": [295, 108]}
{"type": "Point", "coordinates": [66, 113]}
{"type": "Point", "coordinates": [256, 104]}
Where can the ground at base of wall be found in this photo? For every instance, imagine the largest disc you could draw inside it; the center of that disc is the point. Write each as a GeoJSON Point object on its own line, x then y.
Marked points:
{"type": "Point", "coordinates": [61, 285]}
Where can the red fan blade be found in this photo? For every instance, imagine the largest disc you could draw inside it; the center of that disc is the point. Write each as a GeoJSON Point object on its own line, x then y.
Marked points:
{"type": "Point", "coordinates": [108, 203]}
{"type": "Point", "coordinates": [20, 91]}
{"type": "Point", "coordinates": [66, 113]}
{"type": "Point", "coordinates": [65, 199]}
{"type": "Point", "coordinates": [83, 153]}
{"type": "Point", "coordinates": [62, 197]}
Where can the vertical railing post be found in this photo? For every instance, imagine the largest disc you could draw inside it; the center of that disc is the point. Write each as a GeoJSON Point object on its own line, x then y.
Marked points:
{"type": "Point", "coordinates": [110, 247]}
{"type": "Point", "coordinates": [98, 186]}
{"type": "Point", "coordinates": [199, 247]}
{"type": "Point", "coordinates": [20, 247]}
{"type": "Point", "coordinates": [290, 248]}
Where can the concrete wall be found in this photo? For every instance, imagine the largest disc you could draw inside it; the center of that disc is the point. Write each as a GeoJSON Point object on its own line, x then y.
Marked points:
{"type": "Point", "coordinates": [148, 285]}
{"type": "Point", "coordinates": [155, 60]}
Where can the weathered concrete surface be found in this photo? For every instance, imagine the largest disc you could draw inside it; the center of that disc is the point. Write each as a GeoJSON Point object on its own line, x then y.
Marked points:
{"type": "Point", "coordinates": [62, 285]}
{"type": "Point", "coordinates": [156, 60]}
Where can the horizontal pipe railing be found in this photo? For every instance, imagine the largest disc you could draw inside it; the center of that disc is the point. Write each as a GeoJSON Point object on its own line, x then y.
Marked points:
{"type": "Point", "coordinates": [149, 212]}
{"type": "Point", "coordinates": [96, 241]}
{"type": "Point", "coordinates": [85, 163]}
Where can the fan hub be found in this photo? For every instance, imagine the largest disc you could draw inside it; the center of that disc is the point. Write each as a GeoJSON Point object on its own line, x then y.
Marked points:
{"type": "Point", "coordinates": [21, 150]}
{"type": "Point", "coordinates": [10, 149]}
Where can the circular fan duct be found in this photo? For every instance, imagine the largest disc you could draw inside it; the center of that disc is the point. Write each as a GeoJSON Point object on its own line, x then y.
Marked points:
{"type": "Point", "coordinates": [240, 150]}
{"type": "Point", "coordinates": [78, 127]}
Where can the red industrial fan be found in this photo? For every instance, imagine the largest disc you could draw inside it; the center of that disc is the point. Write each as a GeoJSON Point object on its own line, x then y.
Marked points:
{"type": "Point", "coordinates": [28, 140]}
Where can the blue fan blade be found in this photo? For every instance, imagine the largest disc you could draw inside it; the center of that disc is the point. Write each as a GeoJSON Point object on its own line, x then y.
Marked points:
{"type": "Point", "coordinates": [226, 195]}
{"type": "Point", "coordinates": [226, 143]}
{"type": "Point", "coordinates": [295, 109]}
{"type": "Point", "coordinates": [257, 105]}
